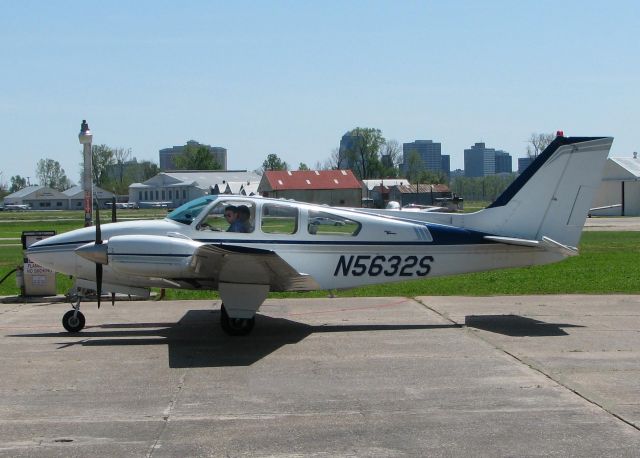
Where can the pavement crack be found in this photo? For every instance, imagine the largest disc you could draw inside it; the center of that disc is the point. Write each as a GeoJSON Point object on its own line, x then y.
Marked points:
{"type": "Point", "coordinates": [533, 367]}
{"type": "Point", "coordinates": [166, 414]}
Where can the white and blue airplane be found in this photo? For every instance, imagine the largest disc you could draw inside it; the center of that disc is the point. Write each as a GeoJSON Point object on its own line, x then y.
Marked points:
{"type": "Point", "coordinates": [294, 246]}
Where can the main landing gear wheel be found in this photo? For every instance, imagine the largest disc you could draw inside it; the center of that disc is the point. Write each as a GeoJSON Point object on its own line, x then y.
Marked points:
{"type": "Point", "coordinates": [235, 326]}
{"type": "Point", "coordinates": [73, 321]}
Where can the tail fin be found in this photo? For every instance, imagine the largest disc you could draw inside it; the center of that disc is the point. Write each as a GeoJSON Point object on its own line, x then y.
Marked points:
{"type": "Point", "coordinates": [552, 197]}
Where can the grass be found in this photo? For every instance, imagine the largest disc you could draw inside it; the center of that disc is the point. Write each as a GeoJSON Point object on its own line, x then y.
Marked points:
{"type": "Point", "coordinates": [608, 263]}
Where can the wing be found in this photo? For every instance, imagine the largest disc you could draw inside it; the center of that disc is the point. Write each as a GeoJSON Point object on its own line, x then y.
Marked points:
{"type": "Point", "coordinates": [238, 264]}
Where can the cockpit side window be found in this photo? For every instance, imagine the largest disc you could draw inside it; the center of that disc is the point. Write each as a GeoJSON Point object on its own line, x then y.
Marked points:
{"type": "Point", "coordinates": [229, 216]}
{"type": "Point", "coordinates": [324, 223]}
{"type": "Point", "coordinates": [279, 219]}
{"type": "Point", "coordinates": [186, 213]}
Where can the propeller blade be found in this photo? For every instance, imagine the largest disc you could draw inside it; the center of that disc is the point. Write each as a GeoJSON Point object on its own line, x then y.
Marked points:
{"type": "Point", "coordinates": [98, 231]}
{"type": "Point", "coordinates": [98, 242]}
{"type": "Point", "coordinates": [99, 282]}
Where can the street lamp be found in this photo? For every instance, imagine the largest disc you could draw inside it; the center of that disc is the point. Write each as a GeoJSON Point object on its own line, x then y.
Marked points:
{"type": "Point", "coordinates": [85, 138]}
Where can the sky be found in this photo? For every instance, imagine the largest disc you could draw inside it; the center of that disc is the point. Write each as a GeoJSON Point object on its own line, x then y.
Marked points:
{"type": "Point", "coordinates": [291, 77]}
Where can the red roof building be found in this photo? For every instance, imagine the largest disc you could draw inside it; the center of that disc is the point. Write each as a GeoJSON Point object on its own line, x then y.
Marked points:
{"type": "Point", "coordinates": [332, 187]}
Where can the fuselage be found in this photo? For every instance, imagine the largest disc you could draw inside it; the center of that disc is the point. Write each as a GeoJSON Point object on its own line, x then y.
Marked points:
{"type": "Point", "coordinates": [336, 247]}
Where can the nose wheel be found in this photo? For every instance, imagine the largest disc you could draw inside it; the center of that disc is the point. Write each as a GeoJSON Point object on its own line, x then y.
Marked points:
{"type": "Point", "coordinates": [73, 321]}
{"type": "Point", "coordinates": [235, 326]}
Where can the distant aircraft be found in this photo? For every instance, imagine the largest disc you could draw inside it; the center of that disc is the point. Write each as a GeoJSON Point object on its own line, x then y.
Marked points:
{"type": "Point", "coordinates": [293, 246]}
{"type": "Point", "coordinates": [17, 207]}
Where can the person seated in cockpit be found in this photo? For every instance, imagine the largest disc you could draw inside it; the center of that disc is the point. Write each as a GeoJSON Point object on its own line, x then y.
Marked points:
{"type": "Point", "coordinates": [231, 215]}
{"type": "Point", "coordinates": [244, 218]}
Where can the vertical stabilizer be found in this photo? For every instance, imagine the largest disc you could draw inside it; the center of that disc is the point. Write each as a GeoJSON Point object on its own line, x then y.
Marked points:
{"type": "Point", "coordinates": [552, 197]}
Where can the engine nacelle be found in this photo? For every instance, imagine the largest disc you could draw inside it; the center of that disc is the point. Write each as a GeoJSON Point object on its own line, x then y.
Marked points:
{"type": "Point", "coordinates": [152, 255]}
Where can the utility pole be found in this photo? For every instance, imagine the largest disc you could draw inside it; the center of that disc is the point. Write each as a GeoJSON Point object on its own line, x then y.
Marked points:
{"type": "Point", "coordinates": [86, 138]}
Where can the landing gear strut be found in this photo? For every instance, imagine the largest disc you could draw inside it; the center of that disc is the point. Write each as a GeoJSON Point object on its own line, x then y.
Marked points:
{"type": "Point", "coordinates": [73, 320]}
{"type": "Point", "coordinates": [235, 326]}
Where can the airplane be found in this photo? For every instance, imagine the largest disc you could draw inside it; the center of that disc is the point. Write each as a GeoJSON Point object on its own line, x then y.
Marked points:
{"type": "Point", "coordinates": [538, 219]}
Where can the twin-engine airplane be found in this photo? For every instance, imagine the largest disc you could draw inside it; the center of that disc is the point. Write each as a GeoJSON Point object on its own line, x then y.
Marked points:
{"type": "Point", "coordinates": [293, 246]}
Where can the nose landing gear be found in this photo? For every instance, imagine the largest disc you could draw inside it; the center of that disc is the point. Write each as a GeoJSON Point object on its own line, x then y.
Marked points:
{"type": "Point", "coordinates": [73, 320]}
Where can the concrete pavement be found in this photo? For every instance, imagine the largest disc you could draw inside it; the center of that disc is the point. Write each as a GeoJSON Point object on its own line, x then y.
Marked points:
{"type": "Point", "coordinates": [437, 376]}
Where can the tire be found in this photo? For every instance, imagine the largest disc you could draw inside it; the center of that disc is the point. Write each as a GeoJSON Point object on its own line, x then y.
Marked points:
{"type": "Point", "coordinates": [73, 323]}
{"type": "Point", "coordinates": [235, 326]}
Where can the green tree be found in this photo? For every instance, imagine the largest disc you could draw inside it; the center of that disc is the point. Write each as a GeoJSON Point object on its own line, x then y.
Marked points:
{"type": "Point", "coordinates": [414, 167]}
{"type": "Point", "coordinates": [303, 166]}
{"type": "Point", "coordinates": [149, 170]}
{"type": "Point", "coordinates": [273, 162]}
{"type": "Point", "coordinates": [102, 158]}
{"type": "Point", "coordinates": [363, 156]}
{"type": "Point", "coordinates": [17, 183]}
{"type": "Point", "coordinates": [196, 158]}
{"type": "Point", "coordinates": [52, 175]}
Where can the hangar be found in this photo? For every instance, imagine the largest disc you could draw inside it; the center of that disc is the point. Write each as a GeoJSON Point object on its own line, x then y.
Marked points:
{"type": "Point", "coordinates": [619, 192]}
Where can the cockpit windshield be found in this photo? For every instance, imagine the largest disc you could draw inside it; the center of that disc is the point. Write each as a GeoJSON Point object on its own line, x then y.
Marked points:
{"type": "Point", "coordinates": [186, 213]}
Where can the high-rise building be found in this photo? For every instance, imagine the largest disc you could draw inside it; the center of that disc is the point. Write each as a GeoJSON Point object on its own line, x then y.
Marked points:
{"type": "Point", "coordinates": [446, 165]}
{"type": "Point", "coordinates": [523, 163]}
{"type": "Point", "coordinates": [429, 152]}
{"type": "Point", "coordinates": [504, 162]}
{"type": "Point", "coordinates": [479, 161]}
{"type": "Point", "coordinates": [168, 155]}
{"type": "Point", "coordinates": [348, 142]}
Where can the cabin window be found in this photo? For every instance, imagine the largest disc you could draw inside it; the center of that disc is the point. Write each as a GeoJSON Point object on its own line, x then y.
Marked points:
{"type": "Point", "coordinates": [163, 195]}
{"type": "Point", "coordinates": [279, 219]}
{"type": "Point", "coordinates": [140, 195]}
{"type": "Point", "coordinates": [230, 216]}
{"type": "Point", "coordinates": [324, 223]}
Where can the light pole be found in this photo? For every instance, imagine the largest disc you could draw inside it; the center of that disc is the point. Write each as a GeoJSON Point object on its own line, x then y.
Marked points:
{"type": "Point", "coordinates": [85, 138]}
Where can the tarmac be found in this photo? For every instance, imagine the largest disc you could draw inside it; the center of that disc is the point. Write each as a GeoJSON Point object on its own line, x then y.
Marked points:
{"type": "Point", "coordinates": [432, 376]}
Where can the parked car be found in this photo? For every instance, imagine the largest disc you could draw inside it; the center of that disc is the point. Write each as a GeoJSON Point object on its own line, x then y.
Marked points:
{"type": "Point", "coordinates": [324, 221]}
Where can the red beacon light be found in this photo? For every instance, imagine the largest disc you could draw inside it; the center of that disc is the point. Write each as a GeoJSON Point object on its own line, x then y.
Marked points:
{"type": "Point", "coordinates": [560, 133]}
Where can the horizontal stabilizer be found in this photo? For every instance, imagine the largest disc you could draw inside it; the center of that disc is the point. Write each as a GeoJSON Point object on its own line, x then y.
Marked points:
{"type": "Point", "coordinates": [546, 243]}
{"type": "Point", "coordinates": [512, 240]}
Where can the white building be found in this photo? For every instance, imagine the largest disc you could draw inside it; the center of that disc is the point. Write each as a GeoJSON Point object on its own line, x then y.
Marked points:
{"type": "Point", "coordinates": [45, 198]}
{"type": "Point", "coordinates": [620, 188]}
{"type": "Point", "coordinates": [76, 197]}
{"type": "Point", "coordinates": [172, 189]}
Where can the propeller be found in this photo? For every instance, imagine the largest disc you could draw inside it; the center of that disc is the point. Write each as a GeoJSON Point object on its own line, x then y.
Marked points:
{"type": "Point", "coordinates": [98, 265]}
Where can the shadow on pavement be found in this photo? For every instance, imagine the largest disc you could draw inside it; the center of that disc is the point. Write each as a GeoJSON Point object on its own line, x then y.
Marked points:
{"type": "Point", "coordinates": [197, 340]}
{"type": "Point", "coordinates": [517, 326]}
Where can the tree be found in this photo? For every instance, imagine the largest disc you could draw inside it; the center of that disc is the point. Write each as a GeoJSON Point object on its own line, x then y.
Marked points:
{"type": "Point", "coordinates": [303, 166]}
{"type": "Point", "coordinates": [102, 159]}
{"type": "Point", "coordinates": [196, 157]}
{"type": "Point", "coordinates": [149, 169]}
{"type": "Point", "coordinates": [414, 167]}
{"type": "Point", "coordinates": [52, 175]}
{"type": "Point", "coordinates": [390, 158]}
{"type": "Point", "coordinates": [120, 156]}
{"type": "Point", "coordinates": [537, 143]}
{"type": "Point", "coordinates": [363, 155]}
{"type": "Point", "coordinates": [17, 183]}
{"type": "Point", "coordinates": [273, 162]}
{"type": "Point", "coordinates": [335, 160]}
